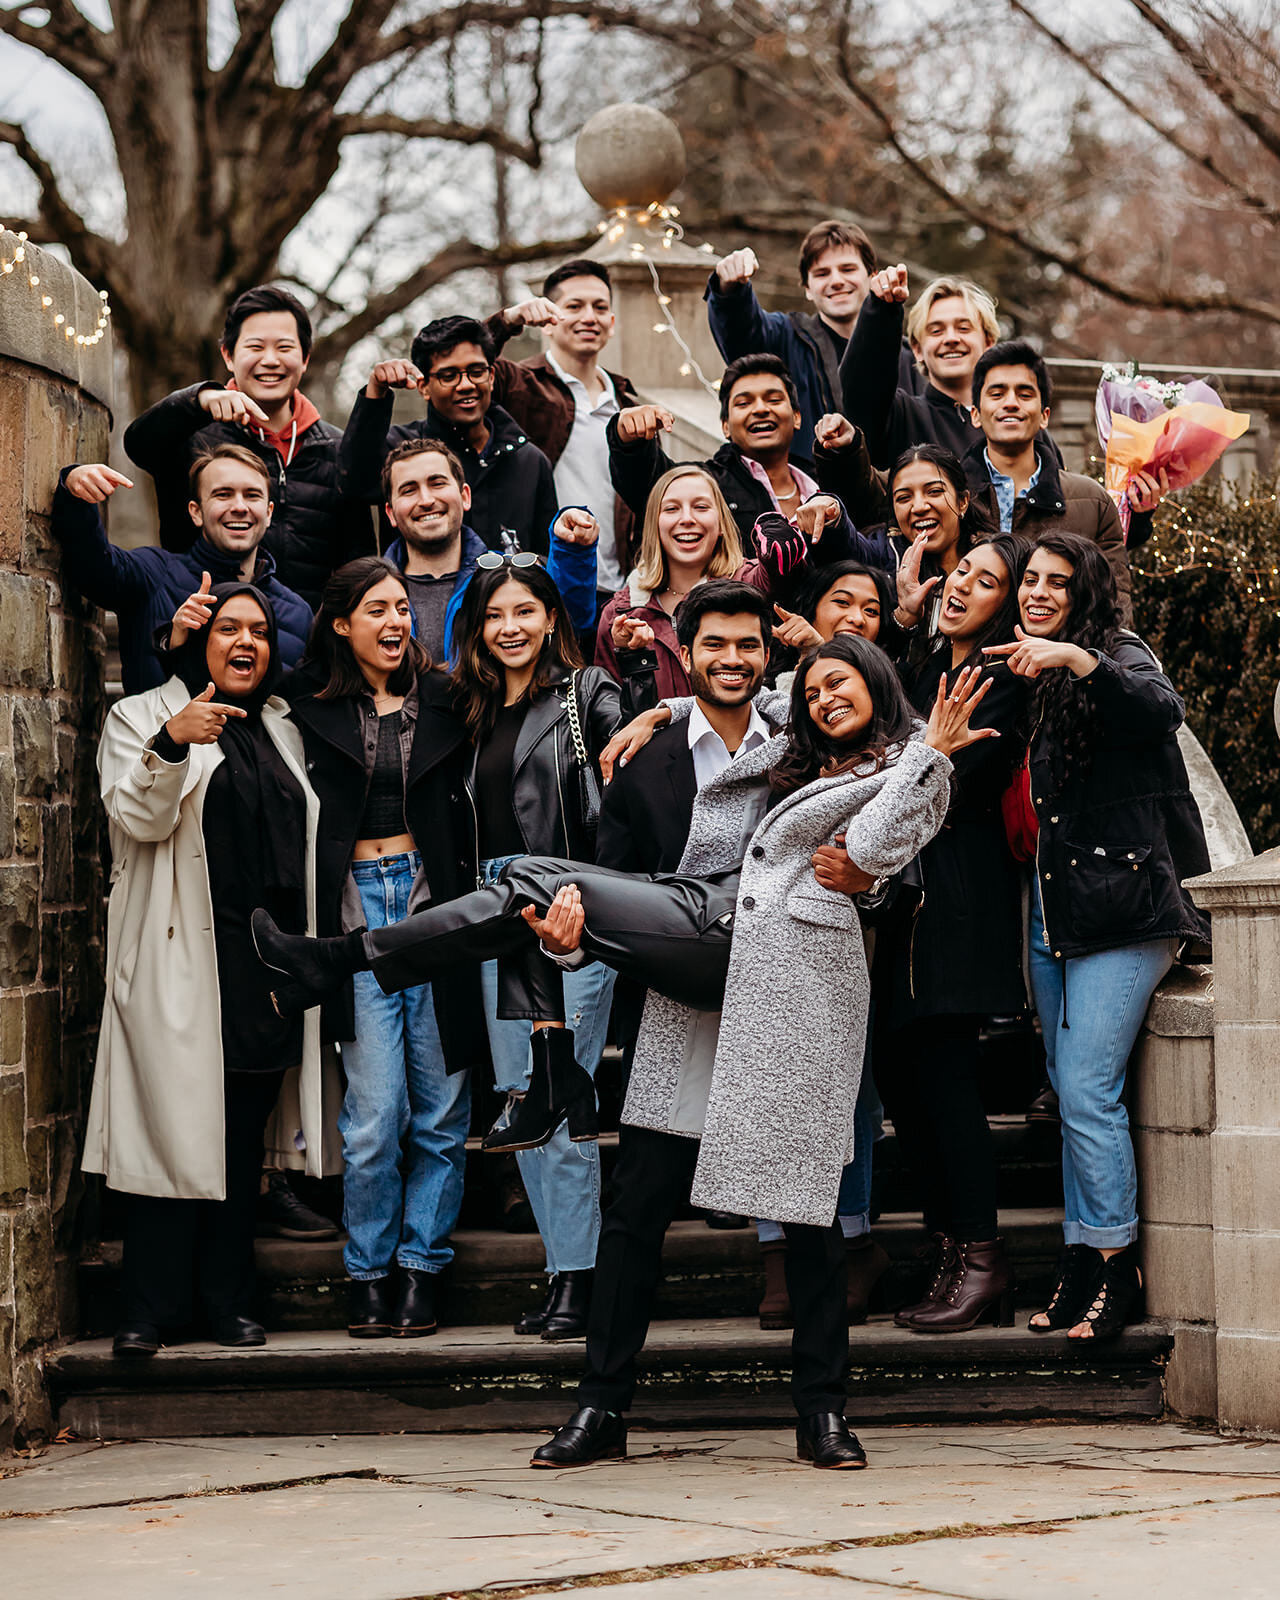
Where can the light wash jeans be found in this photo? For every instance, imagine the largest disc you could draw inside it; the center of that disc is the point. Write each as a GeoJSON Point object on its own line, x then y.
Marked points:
{"type": "Point", "coordinates": [404, 1118]}
{"type": "Point", "coordinates": [562, 1179]}
{"type": "Point", "coordinates": [1091, 1008]}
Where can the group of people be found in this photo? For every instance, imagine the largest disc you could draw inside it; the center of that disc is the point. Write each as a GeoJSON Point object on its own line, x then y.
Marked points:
{"type": "Point", "coordinates": [867, 753]}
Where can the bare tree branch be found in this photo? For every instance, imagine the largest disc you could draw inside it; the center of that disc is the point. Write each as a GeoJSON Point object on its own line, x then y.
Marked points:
{"type": "Point", "coordinates": [93, 254]}
{"type": "Point", "coordinates": [357, 123]}
{"type": "Point", "coordinates": [254, 53]}
{"type": "Point", "coordinates": [68, 38]}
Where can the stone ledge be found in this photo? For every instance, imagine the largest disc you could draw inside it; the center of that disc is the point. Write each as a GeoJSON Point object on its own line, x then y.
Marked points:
{"type": "Point", "coordinates": [1250, 884]}
{"type": "Point", "coordinates": [1182, 1007]}
{"type": "Point", "coordinates": [27, 330]}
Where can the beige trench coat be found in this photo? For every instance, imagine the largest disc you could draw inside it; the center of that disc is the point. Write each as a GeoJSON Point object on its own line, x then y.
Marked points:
{"type": "Point", "coordinates": [156, 1112]}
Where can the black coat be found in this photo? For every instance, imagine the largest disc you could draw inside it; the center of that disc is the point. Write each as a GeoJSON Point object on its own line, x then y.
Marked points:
{"type": "Point", "coordinates": [960, 951]}
{"type": "Point", "coordinates": [546, 789]}
{"type": "Point", "coordinates": [314, 528]}
{"type": "Point", "coordinates": [648, 808]}
{"type": "Point", "coordinates": [438, 817]}
{"type": "Point", "coordinates": [511, 482]}
{"type": "Point", "coordinates": [1117, 842]}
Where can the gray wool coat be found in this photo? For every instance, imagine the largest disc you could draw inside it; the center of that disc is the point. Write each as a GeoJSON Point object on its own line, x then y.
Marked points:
{"type": "Point", "coordinates": [778, 1129]}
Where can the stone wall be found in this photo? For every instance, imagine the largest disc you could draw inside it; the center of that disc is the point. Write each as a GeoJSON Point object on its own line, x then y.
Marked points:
{"type": "Point", "coordinates": [53, 409]}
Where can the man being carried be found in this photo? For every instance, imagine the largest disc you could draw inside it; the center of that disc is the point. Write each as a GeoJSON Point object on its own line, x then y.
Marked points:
{"type": "Point", "coordinates": [266, 344]}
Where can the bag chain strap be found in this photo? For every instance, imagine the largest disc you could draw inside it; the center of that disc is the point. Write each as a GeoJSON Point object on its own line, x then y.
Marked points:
{"type": "Point", "coordinates": [575, 724]}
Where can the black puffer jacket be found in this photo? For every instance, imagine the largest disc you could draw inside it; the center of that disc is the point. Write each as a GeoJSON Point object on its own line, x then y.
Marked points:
{"type": "Point", "coordinates": [336, 735]}
{"type": "Point", "coordinates": [546, 791]}
{"type": "Point", "coordinates": [1117, 842]}
{"type": "Point", "coordinates": [314, 529]}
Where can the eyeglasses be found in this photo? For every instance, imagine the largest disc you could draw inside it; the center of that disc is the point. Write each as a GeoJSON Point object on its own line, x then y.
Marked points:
{"type": "Point", "coordinates": [491, 560]}
{"type": "Point", "coordinates": [450, 376]}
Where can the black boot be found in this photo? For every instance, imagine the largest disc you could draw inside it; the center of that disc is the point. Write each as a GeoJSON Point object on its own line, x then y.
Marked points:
{"type": "Point", "coordinates": [314, 967]}
{"type": "Point", "coordinates": [536, 1320]}
{"type": "Point", "coordinates": [827, 1441]}
{"type": "Point", "coordinates": [1118, 1294]}
{"type": "Point", "coordinates": [559, 1090]}
{"type": "Point", "coordinates": [567, 1313]}
{"type": "Point", "coordinates": [589, 1435]}
{"type": "Point", "coordinates": [370, 1308]}
{"type": "Point", "coordinates": [136, 1339]}
{"type": "Point", "coordinates": [1074, 1279]}
{"type": "Point", "coordinates": [415, 1315]}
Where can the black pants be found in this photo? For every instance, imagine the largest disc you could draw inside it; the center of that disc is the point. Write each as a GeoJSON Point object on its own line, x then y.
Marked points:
{"type": "Point", "coordinates": [669, 933]}
{"type": "Point", "coordinates": [179, 1251]}
{"type": "Point", "coordinates": [927, 1074]}
{"type": "Point", "coordinates": [653, 1175]}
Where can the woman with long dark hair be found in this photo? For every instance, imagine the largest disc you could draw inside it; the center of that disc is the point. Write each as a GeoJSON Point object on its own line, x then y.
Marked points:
{"type": "Point", "coordinates": [950, 955]}
{"type": "Point", "coordinates": [538, 720]}
{"type": "Point", "coordinates": [937, 519]}
{"type": "Point", "coordinates": [387, 756]}
{"type": "Point", "coordinates": [846, 597]}
{"type": "Point", "coordinates": [1117, 832]}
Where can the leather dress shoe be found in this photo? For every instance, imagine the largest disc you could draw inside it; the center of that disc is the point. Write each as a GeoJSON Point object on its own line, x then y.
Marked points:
{"type": "Point", "coordinates": [827, 1440]}
{"type": "Point", "coordinates": [568, 1311]}
{"type": "Point", "coordinates": [136, 1339]}
{"type": "Point", "coordinates": [370, 1308]}
{"type": "Point", "coordinates": [415, 1315]}
{"type": "Point", "coordinates": [589, 1435]}
{"type": "Point", "coordinates": [238, 1333]}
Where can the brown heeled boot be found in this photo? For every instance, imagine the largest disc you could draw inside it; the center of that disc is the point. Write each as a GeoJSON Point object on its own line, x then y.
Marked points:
{"type": "Point", "coordinates": [939, 1253]}
{"type": "Point", "coordinates": [979, 1289]}
{"type": "Point", "coordinates": [868, 1263]}
{"type": "Point", "coordinates": [775, 1308]}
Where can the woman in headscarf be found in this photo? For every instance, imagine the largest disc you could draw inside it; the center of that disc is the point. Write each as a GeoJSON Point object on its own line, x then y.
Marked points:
{"type": "Point", "coordinates": [210, 813]}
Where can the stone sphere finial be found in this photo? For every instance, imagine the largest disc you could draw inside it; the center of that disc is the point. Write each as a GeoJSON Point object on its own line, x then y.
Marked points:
{"type": "Point", "coordinates": [629, 155]}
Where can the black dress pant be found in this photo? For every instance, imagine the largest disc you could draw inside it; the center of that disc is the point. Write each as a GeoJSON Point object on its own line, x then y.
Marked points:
{"type": "Point", "coordinates": [180, 1252]}
{"type": "Point", "coordinates": [927, 1074]}
{"type": "Point", "coordinates": [653, 1175]}
{"type": "Point", "coordinates": [668, 933]}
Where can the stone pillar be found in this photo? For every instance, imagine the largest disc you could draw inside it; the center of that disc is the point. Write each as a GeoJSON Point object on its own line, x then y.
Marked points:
{"type": "Point", "coordinates": [54, 398]}
{"type": "Point", "coordinates": [1244, 902]}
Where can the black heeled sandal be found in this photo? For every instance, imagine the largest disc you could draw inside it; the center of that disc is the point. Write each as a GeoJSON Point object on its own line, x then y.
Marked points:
{"type": "Point", "coordinates": [1075, 1276]}
{"type": "Point", "coordinates": [1117, 1297]}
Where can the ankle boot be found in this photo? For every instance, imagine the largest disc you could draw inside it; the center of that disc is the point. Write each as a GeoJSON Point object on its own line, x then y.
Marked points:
{"type": "Point", "coordinates": [314, 967]}
{"type": "Point", "coordinates": [559, 1091]}
{"type": "Point", "coordinates": [370, 1308]}
{"type": "Point", "coordinates": [568, 1311]}
{"type": "Point", "coordinates": [415, 1314]}
{"type": "Point", "coordinates": [979, 1289]}
{"type": "Point", "coordinates": [775, 1308]}
{"type": "Point", "coordinates": [939, 1253]}
{"type": "Point", "coordinates": [535, 1320]}
{"type": "Point", "coordinates": [1074, 1279]}
{"type": "Point", "coordinates": [868, 1263]}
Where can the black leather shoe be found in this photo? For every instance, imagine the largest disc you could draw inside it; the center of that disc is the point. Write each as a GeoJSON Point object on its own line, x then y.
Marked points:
{"type": "Point", "coordinates": [589, 1435]}
{"type": "Point", "coordinates": [536, 1320]}
{"type": "Point", "coordinates": [415, 1315]}
{"type": "Point", "coordinates": [725, 1221]}
{"type": "Point", "coordinates": [282, 1215]}
{"type": "Point", "coordinates": [137, 1339]}
{"type": "Point", "coordinates": [567, 1313]}
{"type": "Point", "coordinates": [314, 967]}
{"type": "Point", "coordinates": [826, 1440]}
{"type": "Point", "coordinates": [370, 1308]}
{"type": "Point", "coordinates": [560, 1090]}
{"type": "Point", "coordinates": [238, 1333]}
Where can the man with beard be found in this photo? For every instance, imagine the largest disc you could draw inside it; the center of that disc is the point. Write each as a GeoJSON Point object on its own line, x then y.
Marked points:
{"type": "Point", "coordinates": [426, 497]}
{"type": "Point", "coordinates": [649, 823]}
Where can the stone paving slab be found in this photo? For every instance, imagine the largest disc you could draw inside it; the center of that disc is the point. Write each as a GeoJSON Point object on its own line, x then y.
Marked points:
{"type": "Point", "coordinates": [768, 1583]}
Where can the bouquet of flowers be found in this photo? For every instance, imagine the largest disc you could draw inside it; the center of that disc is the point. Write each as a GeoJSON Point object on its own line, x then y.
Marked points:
{"type": "Point", "coordinates": [1179, 429]}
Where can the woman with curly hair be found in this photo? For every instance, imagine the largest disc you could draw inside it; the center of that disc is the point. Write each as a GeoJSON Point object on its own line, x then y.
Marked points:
{"type": "Point", "coordinates": [1117, 831]}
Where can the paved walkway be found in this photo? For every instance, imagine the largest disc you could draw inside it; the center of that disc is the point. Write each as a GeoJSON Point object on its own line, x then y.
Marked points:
{"type": "Point", "coordinates": [989, 1511]}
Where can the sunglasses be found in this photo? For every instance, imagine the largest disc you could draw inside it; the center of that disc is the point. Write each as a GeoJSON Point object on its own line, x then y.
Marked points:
{"type": "Point", "coordinates": [491, 560]}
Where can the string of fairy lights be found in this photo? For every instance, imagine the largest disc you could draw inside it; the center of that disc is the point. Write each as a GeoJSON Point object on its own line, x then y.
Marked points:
{"type": "Point", "coordinates": [20, 267]}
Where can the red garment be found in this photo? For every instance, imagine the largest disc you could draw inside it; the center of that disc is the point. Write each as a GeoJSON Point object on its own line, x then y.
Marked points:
{"type": "Point", "coordinates": [1021, 825]}
{"type": "Point", "coordinates": [302, 415]}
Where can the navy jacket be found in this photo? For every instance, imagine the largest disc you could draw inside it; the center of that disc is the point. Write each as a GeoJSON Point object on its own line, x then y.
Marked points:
{"type": "Point", "coordinates": [144, 587]}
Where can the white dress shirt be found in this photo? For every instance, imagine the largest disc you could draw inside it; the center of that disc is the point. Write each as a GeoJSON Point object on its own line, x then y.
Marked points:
{"type": "Point", "coordinates": [582, 472]}
{"type": "Point", "coordinates": [710, 753]}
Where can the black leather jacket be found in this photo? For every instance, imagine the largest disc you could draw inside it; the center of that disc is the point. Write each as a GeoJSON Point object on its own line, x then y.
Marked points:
{"type": "Point", "coordinates": [546, 791]}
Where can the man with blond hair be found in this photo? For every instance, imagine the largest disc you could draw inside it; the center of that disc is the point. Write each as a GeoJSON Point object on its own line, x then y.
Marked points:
{"type": "Point", "coordinates": [949, 327]}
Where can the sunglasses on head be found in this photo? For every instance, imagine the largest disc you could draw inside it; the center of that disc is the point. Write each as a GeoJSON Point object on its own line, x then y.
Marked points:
{"type": "Point", "coordinates": [491, 560]}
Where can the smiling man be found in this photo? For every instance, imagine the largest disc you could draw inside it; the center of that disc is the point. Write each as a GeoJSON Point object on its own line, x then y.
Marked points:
{"type": "Point", "coordinates": [266, 345]}
{"type": "Point", "coordinates": [229, 509]}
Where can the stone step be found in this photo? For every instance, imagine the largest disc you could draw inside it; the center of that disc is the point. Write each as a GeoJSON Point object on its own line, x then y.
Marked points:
{"type": "Point", "coordinates": [693, 1374]}
{"type": "Point", "coordinates": [495, 1276]}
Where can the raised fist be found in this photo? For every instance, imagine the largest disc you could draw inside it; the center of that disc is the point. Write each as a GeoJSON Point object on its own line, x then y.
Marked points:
{"type": "Point", "coordinates": [739, 266]}
{"type": "Point", "coordinates": [537, 313]}
{"type": "Point", "coordinates": [834, 432]}
{"type": "Point", "coordinates": [643, 422]}
{"type": "Point", "coordinates": [891, 284]}
{"type": "Point", "coordinates": [576, 526]}
{"type": "Point", "coordinates": [392, 375]}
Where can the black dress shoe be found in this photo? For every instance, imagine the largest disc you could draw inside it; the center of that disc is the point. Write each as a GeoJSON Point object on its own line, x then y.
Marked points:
{"type": "Point", "coordinates": [536, 1320]}
{"type": "Point", "coordinates": [415, 1315]}
{"type": "Point", "coordinates": [282, 1215]}
{"type": "Point", "coordinates": [314, 967]}
{"type": "Point", "coordinates": [567, 1314]}
{"type": "Point", "coordinates": [238, 1333]}
{"type": "Point", "coordinates": [370, 1308]}
{"type": "Point", "coordinates": [826, 1440]}
{"type": "Point", "coordinates": [589, 1435]}
{"type": "Point", "coordinates": [725, 1221]}
{"type": "Point", "coordinates": [136, 1339]}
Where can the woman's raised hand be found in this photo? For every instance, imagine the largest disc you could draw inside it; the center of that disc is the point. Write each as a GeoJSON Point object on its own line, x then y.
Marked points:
{"type": "Point", "coordinates": [192, 614]}
{"type": "Point", "coordinates": [560, 931]}
{"type": "Point", "coordinates": [795, 631]}
{"type": "Point", "coordinates": [949, 728]}
{"type": "Point", "coordinates": [631, 739]}
{"type": "Point", "coordinates": [912, 594]}
{"type": "Point", "coordinates": [1028, 657]}
{"type": "Point", "coordinates": [201, 720]}
{"type": "Point", "coordinates": [630, 633]}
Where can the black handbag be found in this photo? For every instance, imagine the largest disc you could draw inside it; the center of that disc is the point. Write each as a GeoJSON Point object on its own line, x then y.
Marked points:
{"type": "Point", "coordinates": [588, 783]}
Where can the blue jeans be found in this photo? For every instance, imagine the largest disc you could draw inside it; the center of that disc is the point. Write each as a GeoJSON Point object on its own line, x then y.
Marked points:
{"type": "Point", "coordinates": [404, 1118]}
{"type": "Point", "coordinates": [562, 1179]}
{"type": "Point", "coordinates": [1091, 1008]}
